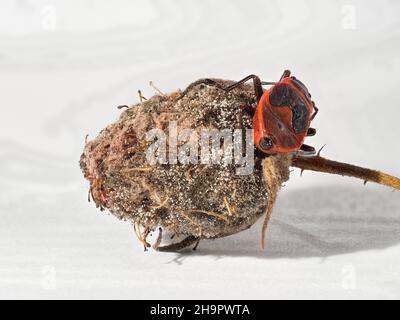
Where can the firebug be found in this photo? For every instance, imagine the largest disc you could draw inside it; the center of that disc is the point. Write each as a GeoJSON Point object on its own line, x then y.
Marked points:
{"type": "Point", "coordinates": [283, 115]}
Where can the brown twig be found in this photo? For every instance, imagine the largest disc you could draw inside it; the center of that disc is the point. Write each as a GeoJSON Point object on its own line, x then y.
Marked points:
{"type": "Point", "coordinates": [321, 164]}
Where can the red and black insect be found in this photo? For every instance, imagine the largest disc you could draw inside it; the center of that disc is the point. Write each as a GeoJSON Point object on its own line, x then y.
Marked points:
{"type": "Point", "coordinates": [283, 115]}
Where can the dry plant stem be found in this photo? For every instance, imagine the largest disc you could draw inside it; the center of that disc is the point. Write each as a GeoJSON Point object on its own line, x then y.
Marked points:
{"type": "Point", "coordinates": [321, 164]}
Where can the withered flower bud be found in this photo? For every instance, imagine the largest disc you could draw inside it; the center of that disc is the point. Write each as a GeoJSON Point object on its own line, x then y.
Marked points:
{"type": "Point", "coordinates": [191, 201]}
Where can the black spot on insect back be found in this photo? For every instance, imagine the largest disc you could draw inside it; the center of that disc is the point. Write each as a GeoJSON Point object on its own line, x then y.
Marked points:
{"type": "Point", "coordinates": [281, 95]}
{"type": "Point", "coordinates": [299, 117]}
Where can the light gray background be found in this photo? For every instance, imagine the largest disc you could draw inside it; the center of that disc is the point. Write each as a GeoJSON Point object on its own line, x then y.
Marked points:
{"type": "Point", "coordinates": [66, 65]}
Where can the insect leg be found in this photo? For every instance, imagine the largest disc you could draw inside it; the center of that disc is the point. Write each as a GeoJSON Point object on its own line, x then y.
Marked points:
{"type": "Point", "coordinates": [307, 150]}
{"type": "Point", "coordinates": [285, 74]}
{"type": "Point", "coordinates": [315, 111]}
{"type": "Point", "coordinates": [188, 241]}
{"type": "Point", "coordinates": [311, 132]}
{"type": "Point", "coordinates": [256, 80]}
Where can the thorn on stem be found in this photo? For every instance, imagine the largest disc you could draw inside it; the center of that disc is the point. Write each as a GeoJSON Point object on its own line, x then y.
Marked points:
{"type": "Point", "coordinates": [319, 151]}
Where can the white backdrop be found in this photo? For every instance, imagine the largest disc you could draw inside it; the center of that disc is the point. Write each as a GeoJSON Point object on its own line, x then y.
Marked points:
{"type": "Point", "coordinates": [66, 65]}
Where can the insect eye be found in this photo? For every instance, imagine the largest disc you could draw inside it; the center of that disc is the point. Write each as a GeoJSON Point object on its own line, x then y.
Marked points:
{"type": "Point", "coordinates": [266, 143]}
